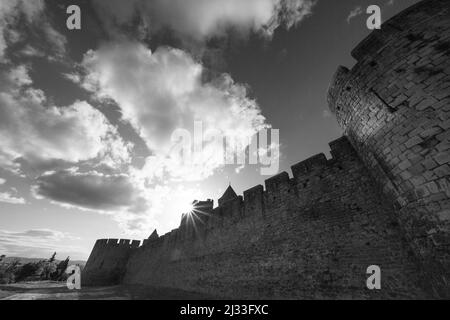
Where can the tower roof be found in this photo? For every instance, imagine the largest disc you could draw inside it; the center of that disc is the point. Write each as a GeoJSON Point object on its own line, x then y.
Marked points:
{"type": "Point", "coordinates": [228, 195]}
{"type": "Point", "coordinates": [154, 235]}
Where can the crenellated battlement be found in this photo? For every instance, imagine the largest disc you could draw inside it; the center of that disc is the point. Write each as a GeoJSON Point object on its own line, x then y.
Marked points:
{"type": "Point", "coordinates": [107, 262]}
{"type": "Point", "coordinates": [256, 199]}
{"type": "Point", "coordinates": [235, 208]}
{"type": "Point", "coordinates": [303, 168]}
{"type": "Point", "coordinates": [278, 183]}
{"type": "Point", "coordinates": [118, 243]}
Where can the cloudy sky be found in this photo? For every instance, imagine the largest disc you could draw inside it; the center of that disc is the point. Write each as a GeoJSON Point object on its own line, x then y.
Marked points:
{"type": "Point", "coordinates": [87, 116]}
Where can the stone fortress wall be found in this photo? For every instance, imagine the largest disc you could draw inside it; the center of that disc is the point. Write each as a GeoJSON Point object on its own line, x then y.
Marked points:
{"type": "Point", "coordinates": [108, 260]}
{"type": "Point", "coordinates": [382, 199]}
{"type": "Point", "coordinates": [311, 235]}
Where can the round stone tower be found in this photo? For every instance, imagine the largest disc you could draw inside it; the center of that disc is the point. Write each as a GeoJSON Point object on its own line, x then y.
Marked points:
{"type": "Point", "coordinates": [394, 106]}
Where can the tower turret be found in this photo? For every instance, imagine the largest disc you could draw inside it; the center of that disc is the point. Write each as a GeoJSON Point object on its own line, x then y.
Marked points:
{"type": "Point", "coordinates": [394, 107]}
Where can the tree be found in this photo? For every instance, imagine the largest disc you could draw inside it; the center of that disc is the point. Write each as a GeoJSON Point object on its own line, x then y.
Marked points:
{"type": "Point", "coordinates": [13, 265]}
{"type": "Point", "coordinates": [53, 258]}
{"type": "Point", "coordinates": [27, 270]}
{"type": "Point", "coordinates": [60, 274]}
{"type": "Point", "coordinates": [48, 268]}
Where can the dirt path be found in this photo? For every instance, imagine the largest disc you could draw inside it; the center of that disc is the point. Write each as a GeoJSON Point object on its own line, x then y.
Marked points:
{"type": "Point", "coordinates": [47, 290]}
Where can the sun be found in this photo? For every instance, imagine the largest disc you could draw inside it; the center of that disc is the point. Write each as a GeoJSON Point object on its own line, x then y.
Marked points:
{"type": "Point", "coordinates": [187, 208]}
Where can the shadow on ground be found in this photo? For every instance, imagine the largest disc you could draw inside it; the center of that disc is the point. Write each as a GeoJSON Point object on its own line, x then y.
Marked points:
{"type": "Point", "coordinates": [48, 290]}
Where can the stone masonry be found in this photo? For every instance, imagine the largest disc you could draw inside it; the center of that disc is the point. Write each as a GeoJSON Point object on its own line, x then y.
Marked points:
{"type": "Point", "coordinates": [394, 106]}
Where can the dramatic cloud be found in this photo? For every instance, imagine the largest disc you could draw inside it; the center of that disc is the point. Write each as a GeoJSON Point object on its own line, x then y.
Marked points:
{"type": "Point", "coordinates": [354, 13]}
{"type": "Point", "coordinates": [7, 197]}
{"type": "Point", "coordinates": [16, 13]}
{"type": "Point", "coordinates": [9, 10]}
{"type": "Point", "coordinates": [127, 201]}
{"type": "Point", "coordinates": [38, 243]}
{"type": "Point", "coordinates": [163, 91]}
{"type": "Point", "coordinates": [30, 51]}
{"type": "Point", "coordinates": [157, 93]}
{"type": "Point", "coordinates": [136, 207]}
{"type": "Point", "coordinates": [33, 130]}
{"type": "Point", "coordinates": [90, 190]}
{"type": "Point", "coordinates": [204, 18]}
{"type": "Point", "coordinates": [35, 234]}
